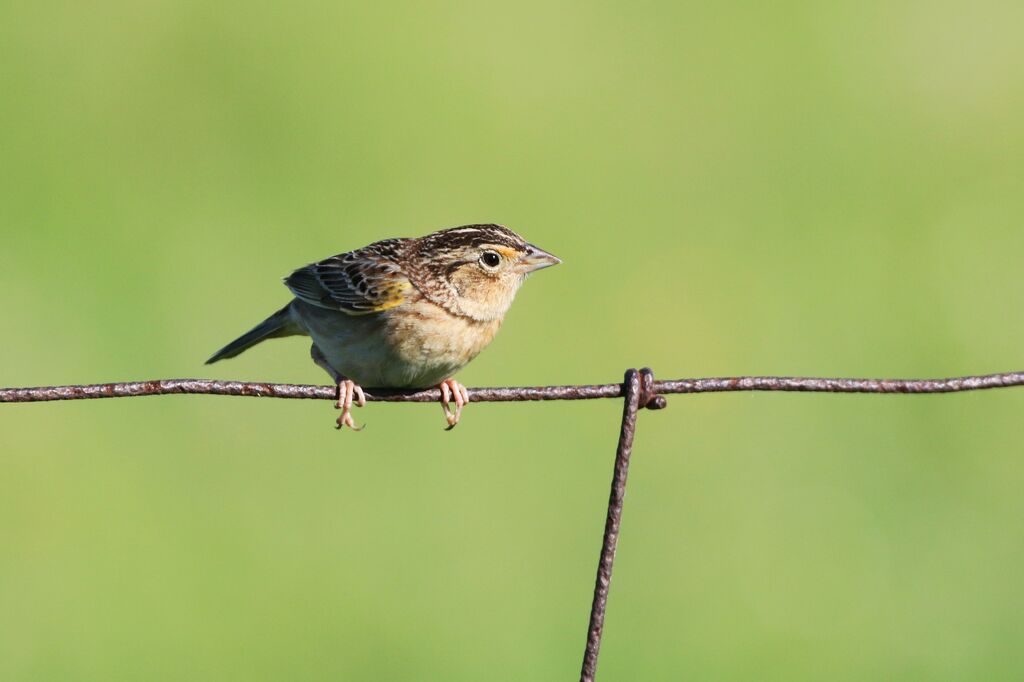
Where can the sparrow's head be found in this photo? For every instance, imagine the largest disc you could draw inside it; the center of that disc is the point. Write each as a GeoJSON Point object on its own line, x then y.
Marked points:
{"type": "Point", "coordinates": [475, 270]}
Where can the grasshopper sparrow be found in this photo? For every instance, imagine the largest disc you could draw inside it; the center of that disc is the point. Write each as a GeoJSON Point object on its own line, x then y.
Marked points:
{"type": "Point", "coordinates": [403, 313]}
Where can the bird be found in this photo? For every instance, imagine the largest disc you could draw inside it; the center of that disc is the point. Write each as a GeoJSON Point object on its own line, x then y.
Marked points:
{"type": "Point", "coordinates": [403, 313]}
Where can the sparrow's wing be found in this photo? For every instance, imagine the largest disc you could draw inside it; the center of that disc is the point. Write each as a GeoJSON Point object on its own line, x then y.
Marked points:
{"type": "Point", "coordinates": [359, 282]}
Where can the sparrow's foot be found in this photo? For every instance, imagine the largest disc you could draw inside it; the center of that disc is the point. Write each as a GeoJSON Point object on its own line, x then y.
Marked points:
{"type": "Point", "coordinates": [450, 388]}
{"type": "Point", "coordinates": [347, 390]}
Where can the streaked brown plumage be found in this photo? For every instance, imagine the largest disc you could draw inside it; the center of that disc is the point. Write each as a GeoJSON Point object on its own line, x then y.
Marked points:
{"type": "Point", "coordinates": [404, 313]}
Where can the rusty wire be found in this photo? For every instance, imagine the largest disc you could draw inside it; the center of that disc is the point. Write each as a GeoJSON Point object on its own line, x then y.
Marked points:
{"type": "Point", "coordinates": [639, 389]}
{"type": "Point", "coordinates": [507, 394]}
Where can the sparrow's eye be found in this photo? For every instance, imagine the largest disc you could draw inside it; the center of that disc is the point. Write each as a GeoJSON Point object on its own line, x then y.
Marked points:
{"type": "Point", "coordinates": [490, 259]}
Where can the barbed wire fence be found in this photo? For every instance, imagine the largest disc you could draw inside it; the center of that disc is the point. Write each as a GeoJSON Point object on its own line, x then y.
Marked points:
{"type": "Point", "coordinates": [639, 389]}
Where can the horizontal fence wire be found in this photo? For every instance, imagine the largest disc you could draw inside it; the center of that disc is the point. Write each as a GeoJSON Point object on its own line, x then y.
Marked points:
{"type": "Point", "coordinates": [512, 393]}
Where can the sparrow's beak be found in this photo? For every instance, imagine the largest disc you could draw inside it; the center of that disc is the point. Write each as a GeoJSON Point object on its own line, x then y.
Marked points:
{"type": "Point", "coordinates": [536, 259]}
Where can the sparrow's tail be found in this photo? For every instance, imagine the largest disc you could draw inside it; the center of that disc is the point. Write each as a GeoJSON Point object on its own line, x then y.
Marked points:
{"type": "Point", "coordinates": [278, 324]}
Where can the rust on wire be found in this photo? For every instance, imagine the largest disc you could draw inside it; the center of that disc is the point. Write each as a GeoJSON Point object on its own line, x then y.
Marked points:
{"type": "Point", "coordinates": [514, 393]}
{"type": "Point", "coordinates": [639, 394]}
{"type": "Point", "coordinates": [639, 389]}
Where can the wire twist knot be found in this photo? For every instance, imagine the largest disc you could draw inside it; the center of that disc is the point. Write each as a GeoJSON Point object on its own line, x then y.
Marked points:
{"type": "Point", "coordinates": [648, 398]}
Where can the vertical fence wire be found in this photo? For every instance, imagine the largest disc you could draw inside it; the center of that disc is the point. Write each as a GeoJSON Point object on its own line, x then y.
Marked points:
{"type": "Point", "coordinates": [630, 408]}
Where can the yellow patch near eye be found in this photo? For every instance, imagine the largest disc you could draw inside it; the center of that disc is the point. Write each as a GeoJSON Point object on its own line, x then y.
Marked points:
{"type": "Point", "coordinates": [504, 251]}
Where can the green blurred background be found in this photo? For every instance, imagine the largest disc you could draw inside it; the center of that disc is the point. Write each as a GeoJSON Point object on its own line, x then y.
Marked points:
{"type": "Point", "coordinates": [790, 188]}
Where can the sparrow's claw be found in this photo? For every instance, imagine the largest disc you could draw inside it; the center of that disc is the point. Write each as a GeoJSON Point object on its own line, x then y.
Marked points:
{"type": "Point", "coordinates": [450, 388]}
{"type": "Point", "coordinates": [347, 389]}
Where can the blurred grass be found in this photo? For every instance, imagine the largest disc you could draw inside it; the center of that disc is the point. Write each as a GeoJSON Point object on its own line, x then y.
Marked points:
{"type": "Point", "coordinates": [798, 188]}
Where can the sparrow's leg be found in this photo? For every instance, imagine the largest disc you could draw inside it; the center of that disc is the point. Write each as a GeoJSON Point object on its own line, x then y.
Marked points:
{"type": "Point", "coordinates": [347, 390]}
{"type": "Point", "coordinates": [450, 388]}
